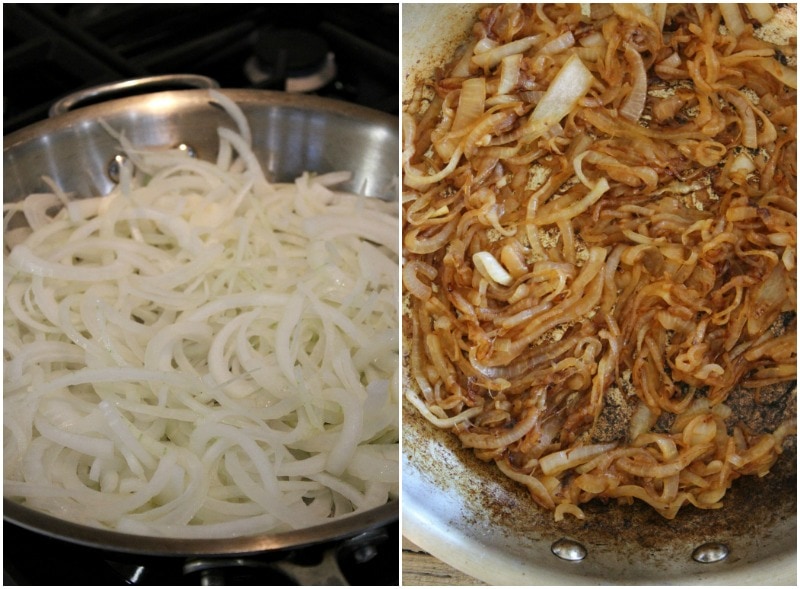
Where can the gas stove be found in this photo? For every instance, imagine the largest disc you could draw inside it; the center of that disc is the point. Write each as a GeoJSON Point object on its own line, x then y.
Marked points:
{"type": "Point", "coordinates": [344, 51]}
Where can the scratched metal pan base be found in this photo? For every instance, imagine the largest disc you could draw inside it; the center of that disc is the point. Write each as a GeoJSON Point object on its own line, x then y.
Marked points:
{"type": "Point", "coordinates": [458, 509]}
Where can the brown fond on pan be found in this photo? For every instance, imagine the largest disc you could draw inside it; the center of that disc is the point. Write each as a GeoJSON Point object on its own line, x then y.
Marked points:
{"type": "Point", "coordinates": [630, 543]}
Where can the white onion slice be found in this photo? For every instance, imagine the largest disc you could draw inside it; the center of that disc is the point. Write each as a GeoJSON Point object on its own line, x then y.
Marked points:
{"type": "Point", "coordinates": [571, 83]}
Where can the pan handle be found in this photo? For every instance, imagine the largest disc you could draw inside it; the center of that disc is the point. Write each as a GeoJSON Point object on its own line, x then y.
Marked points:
{"type": "Point", "coordinates": [131, 87]}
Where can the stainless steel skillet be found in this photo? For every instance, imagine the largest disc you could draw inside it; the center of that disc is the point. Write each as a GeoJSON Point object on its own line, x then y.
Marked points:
{"type": "Point", "coordinates": [291, 134]}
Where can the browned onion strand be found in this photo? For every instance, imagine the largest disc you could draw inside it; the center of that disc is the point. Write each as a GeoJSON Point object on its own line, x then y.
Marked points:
{"type": "Point", "coordinates": [600, 238]}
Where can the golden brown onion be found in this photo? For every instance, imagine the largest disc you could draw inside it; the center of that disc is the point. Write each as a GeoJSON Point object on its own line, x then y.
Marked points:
{"type": "Point", "coordinates": [600, 248]}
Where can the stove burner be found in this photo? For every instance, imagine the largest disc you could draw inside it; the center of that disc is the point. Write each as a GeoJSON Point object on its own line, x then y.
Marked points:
{"type": "Point", "coordinates": [293, 60]}
{"type": "Point", "coordinates": [51, 50]}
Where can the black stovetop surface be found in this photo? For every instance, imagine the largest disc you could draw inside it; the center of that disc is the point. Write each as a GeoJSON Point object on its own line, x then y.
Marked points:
{"type": "Point", "coordinates": [30, 558]}
{"type": "Point", "coordinates": [51, 50]}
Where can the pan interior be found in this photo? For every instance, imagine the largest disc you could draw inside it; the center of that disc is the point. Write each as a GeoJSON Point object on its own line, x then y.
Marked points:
{"type": "Point", "coordinates": [466, 513]}
{"type": "Point", "coordinates": [291, 134]}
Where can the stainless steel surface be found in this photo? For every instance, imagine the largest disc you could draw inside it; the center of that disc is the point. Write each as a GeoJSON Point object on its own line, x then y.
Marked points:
{"type": "Point", "coordinates": [133, 86]}
{"type": "Point", "coordinates": [432, 33]}
{"type": "Point", "coordinates": [109, 540]}
{"type": "Point", "coordinates": [464, 512]}
{"type": "Point", "coordinates": [467, 514]}
{"type": "Point", "coordinates": [291, 134]}
{"type": "Point", "coordinates": [710, 552]}
{"type": "Point", "coordinates": [570, 550]}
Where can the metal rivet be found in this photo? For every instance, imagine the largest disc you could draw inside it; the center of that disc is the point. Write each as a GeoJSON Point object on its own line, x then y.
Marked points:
{"type": "Point", "coordinates": [568, 550]}
{"type": "Point", "coordinates": [710, 552]}
{"type": "Point", "coordinates": [115, 166]}
{"type": "Point", "coordinates": [188, 149]}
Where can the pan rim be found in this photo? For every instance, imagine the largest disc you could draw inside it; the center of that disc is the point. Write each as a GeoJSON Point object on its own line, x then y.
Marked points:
{"type": "Point", "coordinates": [337, 529]}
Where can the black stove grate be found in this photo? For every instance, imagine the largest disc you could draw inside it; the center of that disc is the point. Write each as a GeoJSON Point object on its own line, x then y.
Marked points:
{"type": "Point", "coordinates": [51, 50]}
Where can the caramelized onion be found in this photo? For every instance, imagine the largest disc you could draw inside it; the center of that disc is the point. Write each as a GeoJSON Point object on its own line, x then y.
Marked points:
{"type": "Point", "coordinates": [510, 73]}
{"type": "Point", "coordinates": [559, 44]}
{"type": "Point", "coordinates": [634, 105]}
{"type": "Point", "coordinates": [502, 436]}
{"type": "Point", "coordinates": [570, 84]}
{"type": "Point", "coordinates": [495, 55]}
{"type": "Point", "coordinates": [601, 258]}
{"type": "Point", "coordinates": [732, 15]}
{"type": "Point", "coordinates": [411, 280]}
{"type": "Point", "coordinates": [762, 12]}
{"type": "Point", "coordinates": [566, 459]}
{"type": "Point", "coordinates": [470, 103]}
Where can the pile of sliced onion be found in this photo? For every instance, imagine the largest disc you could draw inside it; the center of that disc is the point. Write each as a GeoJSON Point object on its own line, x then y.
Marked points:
{"type": "Point", "coordinates": [600, 267]}
{"type": "Point", "coordinates": [201, 353]}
